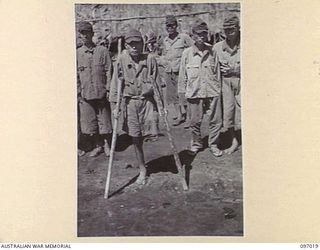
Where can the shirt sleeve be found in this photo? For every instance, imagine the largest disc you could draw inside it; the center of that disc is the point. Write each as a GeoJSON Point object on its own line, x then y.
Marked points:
{"type": "Point", "coordinates": [78, 85]}
{"type": "Point", "coordinates": [117, 76]}
{"type": "Point", "coordinates": [78, 80]}
{"type": "Point", "coordinates": [108, 69]}
{"type": "Point", "coordinates": [217, 71]}
{"type": "Point", "coordinates": [236, 69]}
{"type": "Point", "coordinates": [188, 41]}
{"type": "Point", "coordinates": [182, 79]}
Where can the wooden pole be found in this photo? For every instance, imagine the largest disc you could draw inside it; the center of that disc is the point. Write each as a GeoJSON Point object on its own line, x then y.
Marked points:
{"type": "Point", "coordinates": [159, 101]}
{"type": "Point", "coordinates": [115, 127]}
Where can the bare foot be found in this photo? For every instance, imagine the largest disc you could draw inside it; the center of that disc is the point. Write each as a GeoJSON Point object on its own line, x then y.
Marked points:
{"type": "Point", "coordinates": [234, 146]}
{"type": "Point", "coordinates": [142, 179]}
{"type": "Point", "coordinates": [81, 152]}
{"type": "Point", "coordinates": [106, 148]}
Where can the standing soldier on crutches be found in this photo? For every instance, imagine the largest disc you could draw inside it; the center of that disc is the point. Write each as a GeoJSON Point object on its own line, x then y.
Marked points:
{"type": "Point", "coordinates": [132, 72]}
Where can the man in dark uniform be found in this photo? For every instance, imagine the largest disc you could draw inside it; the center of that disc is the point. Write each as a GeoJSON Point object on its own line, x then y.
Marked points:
{"type": "Point", "coordinates": [93, 69]}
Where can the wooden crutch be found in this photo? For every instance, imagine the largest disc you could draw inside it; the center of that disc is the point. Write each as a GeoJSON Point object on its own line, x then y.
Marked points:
{"type": "Point", "coordinates": [161, 109]}
{"type": "Point", "coordinates": [115, 128]}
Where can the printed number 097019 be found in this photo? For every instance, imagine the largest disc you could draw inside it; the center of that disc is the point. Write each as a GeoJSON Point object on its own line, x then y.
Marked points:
{"type": "Point", "coordinates": [309, 245]}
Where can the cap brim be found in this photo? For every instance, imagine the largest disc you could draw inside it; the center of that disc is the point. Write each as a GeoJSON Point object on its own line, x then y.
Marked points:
{"type": "Point", "coordinates": [151, 41]}
{"type": "Point", "coordinates": [200, 31]}
{"type": "Point", "coordinates": [85, 31]}
{"type": "Point", "coordinates": [133, 39]}
{"type": "Point", "coordinates": [229, 26]}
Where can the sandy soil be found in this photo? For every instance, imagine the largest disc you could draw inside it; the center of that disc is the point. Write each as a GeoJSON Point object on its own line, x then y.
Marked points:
{"type": "Point", "coordinates": [211, 207]}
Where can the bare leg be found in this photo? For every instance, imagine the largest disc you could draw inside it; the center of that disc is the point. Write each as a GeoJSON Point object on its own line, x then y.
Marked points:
{"type": "Point", "coordinates": [182, 108]}
{"type": "Point", "coordinates": [235, 144]}
{"type": "Point", "coordinates": [138, 146]}
{"type": "Point", "coordinates": [107, 142]}
{"type": "Point", "coordinates": [181, 112]}
{"type": "Point", "coordinates": [177, 111]}
{"type": "Point", "coordinates": [98, 148]}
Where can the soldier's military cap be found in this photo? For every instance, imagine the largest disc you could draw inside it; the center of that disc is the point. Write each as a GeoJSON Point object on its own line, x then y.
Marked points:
{"type": "Point", "coordinates": [85, 27]}
{"type": "Point", "coordinates": [199, 26]}
{"type": "Point", "coordinates": [151, 37]}
{"type": "Point", "coordinates": [230, 21]}
{"type": "Point", "coordinates": [132, 35]}
{"type": "Point", "coordinates": [171, 20]}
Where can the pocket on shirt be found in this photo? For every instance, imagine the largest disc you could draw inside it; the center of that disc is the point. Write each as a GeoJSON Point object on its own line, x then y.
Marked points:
{"type": "Point", "coordinates": [179, 50]}
{"type": "Point", "coordinates": [192, 71]}
{"type": "Point", "coordinates": [99, 68]}
{"type": "Point", "coordinates": [210, 70]}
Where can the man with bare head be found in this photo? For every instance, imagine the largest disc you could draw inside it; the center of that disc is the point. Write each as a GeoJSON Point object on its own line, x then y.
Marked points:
{"type": "Point", "coordinates": [228, 52]}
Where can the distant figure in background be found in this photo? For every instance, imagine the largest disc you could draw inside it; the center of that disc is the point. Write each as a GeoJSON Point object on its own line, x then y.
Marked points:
{"type": "Point", "coordinates": [199, 81]}
{"type": "Point", "coordinates": [152, 122]}
{"type": "Point", "coordinates": [173, 46]}
{"type": "Point", "coordinates": [228, 52]}
{"type": "Point", "coordinates": [93, 73]}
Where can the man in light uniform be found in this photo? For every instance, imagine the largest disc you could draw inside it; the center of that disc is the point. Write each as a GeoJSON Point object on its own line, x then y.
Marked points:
{"type": "Point", "coordinates": [135, 71]}
{"type": "Point", "coordinates": [228, 52]}
{"type": "Point", "coordinates": [173, 46]}
{"type": "Point", "coordinates": [199, 81]}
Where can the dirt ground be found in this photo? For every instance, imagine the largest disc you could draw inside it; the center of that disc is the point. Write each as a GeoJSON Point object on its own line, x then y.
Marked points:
{"type": "Point", "coordinates": [212, 206]}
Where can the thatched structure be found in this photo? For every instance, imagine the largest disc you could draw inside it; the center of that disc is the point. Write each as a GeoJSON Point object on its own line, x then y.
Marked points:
{"type": "Point", "coordinates": [116, 18]}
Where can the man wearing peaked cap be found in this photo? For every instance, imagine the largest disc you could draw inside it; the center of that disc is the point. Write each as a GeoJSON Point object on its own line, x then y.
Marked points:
{"type": "Point", "coordinates": [228, 52]}
{"type": "Point", "coordinates": [132, 35]}
{"type": "Point", "coordinates": [199, 26]}
{"type": "Point", "coordinates": [231, 21]}
{"type": "Point", "coordinates": [170, 19]}
{"type": "Point", "coordinates": [135, 71]}
{"type": "Point", "coordinates": [152, 48]}
{"type": "Point", "coordinates": [85, 27]}
{"type": "Point", "coordinates": [199, 81]}
{"type": "Point", "coordinates": [151, 38]}
{"type": "Point", "coordinates": [94, 76]}
{"type": "Point", "coordinates": [173, 46]}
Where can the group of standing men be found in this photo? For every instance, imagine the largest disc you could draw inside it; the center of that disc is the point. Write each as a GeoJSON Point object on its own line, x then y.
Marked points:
{"type": "Point", "coordinates": [196, 77]}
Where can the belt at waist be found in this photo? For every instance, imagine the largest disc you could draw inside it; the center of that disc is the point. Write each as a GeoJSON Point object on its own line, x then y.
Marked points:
{"type": "Point", "coordinates": [136, 97]}
{"type": "Point", "coordinates": [228, 77]}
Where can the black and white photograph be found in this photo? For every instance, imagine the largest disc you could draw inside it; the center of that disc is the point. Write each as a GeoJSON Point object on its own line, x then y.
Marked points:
{"type": "Point", "coordinates": [159, 120]}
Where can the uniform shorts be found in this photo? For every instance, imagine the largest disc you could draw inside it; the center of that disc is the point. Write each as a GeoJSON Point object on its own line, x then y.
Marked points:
{"type": "Point", "coordinates": [138, 114]}
{"type": "Point", "coordinates": [95, 116]}
{"type": "Point", "coordinates": [231, 103]}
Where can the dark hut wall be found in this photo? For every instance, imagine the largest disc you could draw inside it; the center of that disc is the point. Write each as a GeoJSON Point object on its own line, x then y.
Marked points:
{"type": "Point", "coordinates": [117, 18]}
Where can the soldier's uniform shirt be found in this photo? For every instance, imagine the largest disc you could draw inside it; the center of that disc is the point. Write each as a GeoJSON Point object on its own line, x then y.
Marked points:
{"type": "Point", "coordinates": [230, 84]}
{"type": "Point", "coordinates": [136, 77]}
{"type": "Point", "coordinates": [94, 71]}
{"type": "Point", "coordinates": [199, 80]}
{"type": "Point", "coordinates": [93, 74]}
{"type": "Point", "coordinates": [199, 75]}
{"type": "Point", "coordinates": [172, 51]}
